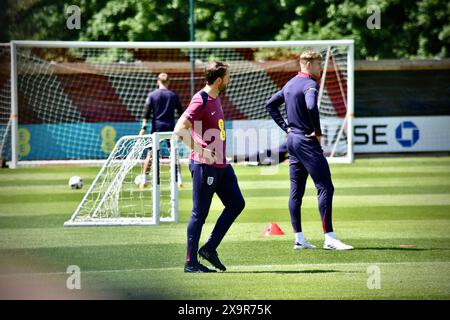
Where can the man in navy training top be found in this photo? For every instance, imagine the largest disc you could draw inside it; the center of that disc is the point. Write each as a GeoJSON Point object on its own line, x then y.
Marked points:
{"type": "Point", "coordinates": [305, 152]}
{"type": "Point", "coordinates": [202, 129]}
{"type": "Point", "coordinates": [163, 103]}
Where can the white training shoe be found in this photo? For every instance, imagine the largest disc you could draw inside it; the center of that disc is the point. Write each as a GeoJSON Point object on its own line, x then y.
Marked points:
{"type": "Point", "coordinates": [335, 244]}
{"type": "Point", "coordinates": [305, 245]}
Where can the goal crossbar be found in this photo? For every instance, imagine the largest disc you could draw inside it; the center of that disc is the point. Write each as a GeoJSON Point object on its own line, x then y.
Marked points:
{"type": "Point", "coordinates": [180, 44]}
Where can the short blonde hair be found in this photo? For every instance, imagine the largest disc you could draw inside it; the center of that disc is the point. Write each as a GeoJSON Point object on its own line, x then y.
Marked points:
{"type": "Point", "coordinates": [163, 78]}
{"type": "Point", "coordinates": [310, 55]}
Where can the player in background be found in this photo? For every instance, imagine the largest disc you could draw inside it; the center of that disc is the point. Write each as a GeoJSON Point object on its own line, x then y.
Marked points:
{"type": "Point", "coordinates": [305, 152]}
{"type": "Point", "coordinates": [201, 127]}
{"type": "Point", "coordinates": [162, 103]}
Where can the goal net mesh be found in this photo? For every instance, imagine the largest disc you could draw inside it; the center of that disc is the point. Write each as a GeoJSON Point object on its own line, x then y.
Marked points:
{"type": "Point", "coordinates": [5, 102]}
{"type": "Point", "coordinates": [75, 103]}
{"type": "Point", "coordinates": [115, 196]}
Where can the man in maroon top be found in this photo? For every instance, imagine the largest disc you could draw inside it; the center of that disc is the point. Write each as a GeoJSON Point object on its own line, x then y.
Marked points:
{"type": "Point", "coordinates": [202, 128]}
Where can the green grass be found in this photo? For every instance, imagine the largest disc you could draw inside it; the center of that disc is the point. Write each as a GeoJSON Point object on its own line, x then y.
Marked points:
{"type": "Point", "coordinates": [379, 205]}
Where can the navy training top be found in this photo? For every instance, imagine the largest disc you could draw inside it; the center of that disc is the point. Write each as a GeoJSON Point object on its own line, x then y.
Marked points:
{"type": "Point", "coordinates": [162, 103]}
{"type": "Point", "coordinates": [300, 95]}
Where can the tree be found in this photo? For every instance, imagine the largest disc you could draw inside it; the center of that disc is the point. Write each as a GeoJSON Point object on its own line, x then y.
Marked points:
{"type": "Point", "coordinates": [36, 20]}
{"type": "Point", "coordinates": [409, 29]}
{"type": "Point", "coordinates": [136, 20]}
{"type": "Point", "coordinates": [150, 20]}
{"type": "Point", "coordinates": [250, 20]}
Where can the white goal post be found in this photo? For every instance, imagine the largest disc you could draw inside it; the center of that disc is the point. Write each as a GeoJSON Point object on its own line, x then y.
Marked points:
{"type": "Point", "coordinates": [5, 101]}
{"type": "Point", "coordinates": [114, 198]}
{"type": "Point", "coordinates": [70, 101]}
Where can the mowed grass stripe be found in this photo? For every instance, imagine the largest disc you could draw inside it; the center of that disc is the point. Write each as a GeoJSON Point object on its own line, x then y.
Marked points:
{"type": "Point", "coordinates": [29, 185]}
{"type": "Point", "coordinates": [347, 201]}
{"type": "Point", "coordinates": [163, 255]}
{"type": "Point", "coordinates": [17, 194]}
{"type": "Point", "coordinates": [359, 162]}
{"type": "Point", "coordinates": [418, 169]}
{"type": "Point", "coordinates": [14, 197]}
{"type": "Point", "coordinates": [59, 176]}
{"type": "Point", "coordinates": [68, 205]}
{"type": "Point", "coordinates": [269, 253]}
{"type": "Point", "coordinates": [241, 231]}
{"type": "Point", "coordinates": [256, 267]}
{"type": "Point", "coordinates": [364, 216]}
{"type": "Point", "coordinates": [339, 191]}
{"type": "Point", "coordinates": [367, 182]}
{"type": "Point", "coordinates": [359, 167]}
{"type": "Point", "coordinates": [39, 220]}
{"type": "Point", "coordinates": [315, 281]}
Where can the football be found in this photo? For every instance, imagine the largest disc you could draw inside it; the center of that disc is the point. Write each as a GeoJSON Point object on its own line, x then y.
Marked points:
{"type": "Point", "coordinates": [140, 179]}
{"type": "Point", "coordinates": [76, 182]}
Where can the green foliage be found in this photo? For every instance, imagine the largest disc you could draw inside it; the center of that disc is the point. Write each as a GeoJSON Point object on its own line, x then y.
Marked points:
{"type": "Point", "coordinates": [409, 29]}
{"type": "Point", "coordinates": [135, 20]}
{"type": "Point", "coordinates": [37, 20]}
{"type": "Point", "coordinates": [219, 20]}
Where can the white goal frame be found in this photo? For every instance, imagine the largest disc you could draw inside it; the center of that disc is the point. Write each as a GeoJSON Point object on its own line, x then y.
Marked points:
{"type": "Point", "coordinates": [348, 121]}
{"type": "Point", "coordinates": [156, 218]}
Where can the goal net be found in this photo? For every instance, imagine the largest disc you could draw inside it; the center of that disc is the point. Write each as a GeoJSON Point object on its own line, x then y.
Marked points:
{"type": "Point", "coordinates": [76, 99]}
{"type": "Point", "coordinates": [5, 102]}
{"type": "Point", "coordinates": [117, 196]}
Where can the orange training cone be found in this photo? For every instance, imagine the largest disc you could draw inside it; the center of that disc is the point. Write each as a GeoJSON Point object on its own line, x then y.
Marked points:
{"type": "Point", "coordinates": [272, 230]}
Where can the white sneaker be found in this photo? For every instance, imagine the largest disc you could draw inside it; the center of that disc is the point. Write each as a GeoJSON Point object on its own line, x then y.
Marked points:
{"type": "Point", "coordinates": [305, 245]}
{"type": "Point", "coordinates": [335, 244]}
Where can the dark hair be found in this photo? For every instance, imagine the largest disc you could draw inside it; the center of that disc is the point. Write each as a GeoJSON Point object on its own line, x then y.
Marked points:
{"type": "Point", "coordinates": [214, 70]}
{"type": "Point", "coordinates": [163, 78]}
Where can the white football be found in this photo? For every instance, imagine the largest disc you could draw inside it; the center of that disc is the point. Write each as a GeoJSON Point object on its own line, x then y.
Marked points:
{"type": "Point", "coordinates": [139, 179]}
{"type": "Point", "coordinates": [76, 182]}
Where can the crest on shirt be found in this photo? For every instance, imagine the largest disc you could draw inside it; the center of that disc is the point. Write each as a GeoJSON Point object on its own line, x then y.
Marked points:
{"type": "Point", "coordinates": [210, 181]}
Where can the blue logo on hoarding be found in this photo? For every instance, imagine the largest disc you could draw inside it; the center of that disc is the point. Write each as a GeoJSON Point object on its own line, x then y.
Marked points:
{"type": "Point", "coordinates": [407, 134]}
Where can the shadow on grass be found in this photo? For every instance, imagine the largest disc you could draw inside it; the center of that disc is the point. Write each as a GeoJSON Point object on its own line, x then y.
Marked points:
{"type": "Point", "coordinates": [286, 272]}
{"type": "Point", "coordinates": [399, 249]}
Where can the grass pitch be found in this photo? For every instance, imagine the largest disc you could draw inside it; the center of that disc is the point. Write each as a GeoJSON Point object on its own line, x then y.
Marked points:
{"type": "Point", "coordinates": [380, 205]}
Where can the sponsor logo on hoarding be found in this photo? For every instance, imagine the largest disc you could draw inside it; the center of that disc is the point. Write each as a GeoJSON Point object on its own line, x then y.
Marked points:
{"type": "Point", "coordinates": [407, 134]}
